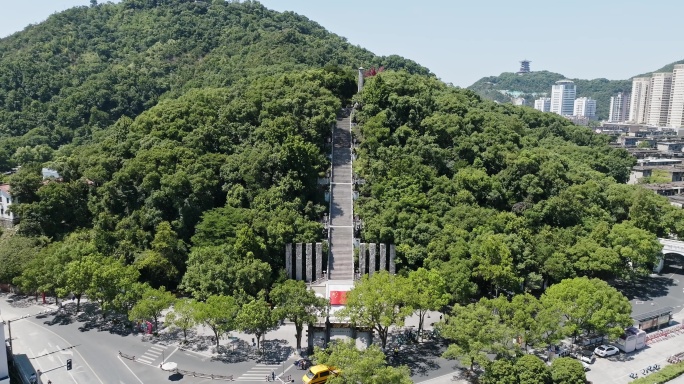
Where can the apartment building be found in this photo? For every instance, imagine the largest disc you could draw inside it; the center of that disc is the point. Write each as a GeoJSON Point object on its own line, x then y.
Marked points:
{"type": "Point", "coordinates": [659, 99]}
{"type": "Point", "coordinates": [543, 104]}
{"type": "Point", "coordinates": [584, 107]}
{"type": "Point", "coordinates": [619, 108]}
{"type": "Point", "coordinates": [638, 102]}
{"type": "Point", "coordinates": [675, 117]}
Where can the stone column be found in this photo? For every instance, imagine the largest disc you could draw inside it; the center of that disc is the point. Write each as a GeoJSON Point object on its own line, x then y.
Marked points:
{"type": "Point", "coordinates": [319, 261]}
{"type": "Point", "coordinates": [298, 261]}
{"type": "Point", "coordinates": [362, 259]}
{"type": "Point", "coordinates": [288, 260]}
{"type": "Point", "coordinates": [383, 258]}
{"type": "Point", "coordinates": [371, 259]}
{"type": "Point", "coordinates": [309, 262]}
{"type": "Point", "coordinates": [392, 267]}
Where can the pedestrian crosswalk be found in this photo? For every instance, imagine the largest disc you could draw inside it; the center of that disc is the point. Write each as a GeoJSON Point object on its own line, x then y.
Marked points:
{"type": "Point", "coordinates": [259, 372]}
{"type": "Point", "coordinates": [153, 356]}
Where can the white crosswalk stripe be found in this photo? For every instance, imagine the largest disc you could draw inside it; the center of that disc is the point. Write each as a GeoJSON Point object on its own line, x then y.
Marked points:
{"type": "Point", "coordinates": [259, 372]}
{"type": "Point", "coordinates": [153, 356]}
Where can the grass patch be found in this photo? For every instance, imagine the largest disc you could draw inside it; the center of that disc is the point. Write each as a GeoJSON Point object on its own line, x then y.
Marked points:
{"type": "Point", "coordinates": [663, 376]}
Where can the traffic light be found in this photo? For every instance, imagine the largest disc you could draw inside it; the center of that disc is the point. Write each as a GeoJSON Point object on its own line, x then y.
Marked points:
{"type": "Point", "coordinates": [68, 364]}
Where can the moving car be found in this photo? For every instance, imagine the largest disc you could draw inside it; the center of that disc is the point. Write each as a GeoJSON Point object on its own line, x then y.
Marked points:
{"type": "Point", "coordinates": [606, 350]}
{"type": "Point", "coordinates": [319, 374]}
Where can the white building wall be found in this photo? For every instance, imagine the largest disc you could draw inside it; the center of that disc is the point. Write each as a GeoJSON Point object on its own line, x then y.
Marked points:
{"type": "Point", "coordinates": [675, 116]}
{"type": "Point", "coordinates": [585, 107]}
{"type": "Point", "coordinates": [619, 108]}
{"type": "Point", "coordinates": [639, 100]}
{"type": "Point", "coordinates": [543, 104]}
{"type": "Point", "coordinates": [562, 97]}
{"type": "Point", "coordinates": [5, 203]}
{"type": "Point", "coordinates": [659, 100]}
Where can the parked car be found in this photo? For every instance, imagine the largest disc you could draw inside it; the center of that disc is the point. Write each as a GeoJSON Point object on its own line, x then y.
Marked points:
{"type": "Point", "coordinates": [584, 356]}
{"type": "Point", "coordinates": [586, 366]}
{"type": "Point", "coordinates": [606, 350]}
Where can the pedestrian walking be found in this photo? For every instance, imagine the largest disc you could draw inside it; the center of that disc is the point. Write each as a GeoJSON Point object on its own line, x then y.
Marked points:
{"type": "Point", "coordinates": [273, 375]}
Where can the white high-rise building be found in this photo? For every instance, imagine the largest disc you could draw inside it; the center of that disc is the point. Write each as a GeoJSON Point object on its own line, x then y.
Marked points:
{"type": "Point", "coordinates": [619, 108]}
{"type": "Point", "coordinates": [584, 107]}
{"type": "Point", "coordinates": [675, 117]}
{"type": "Point", "coordinates": [638, 103]}
{"type": "Point", "coordinates": [543, 104]}
{"type": "Point", "coordinates": [563, 97]}
{"type": "Point", "coordinates": [659, 99]}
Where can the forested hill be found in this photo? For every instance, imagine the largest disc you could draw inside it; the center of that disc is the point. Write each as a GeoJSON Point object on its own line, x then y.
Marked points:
{"type": "Point", "coordinates": [189, 136]}
{"type": "Point", "coordinates": [540, 82]}
{"type": "Point", "coordinates": [84, 68]}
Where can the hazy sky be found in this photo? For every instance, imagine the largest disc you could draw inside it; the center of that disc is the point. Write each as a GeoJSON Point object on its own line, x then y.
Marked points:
{"type": "Point", "coordinates": [464, 40]}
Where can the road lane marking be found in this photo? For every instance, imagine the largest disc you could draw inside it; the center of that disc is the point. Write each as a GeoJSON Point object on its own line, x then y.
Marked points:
{"type": "Point", "coordinates": [79, 353]}
{"type": "Point", "coordinates": [130, 370]}
{"type": "Point", "coordinates": [170, 354]}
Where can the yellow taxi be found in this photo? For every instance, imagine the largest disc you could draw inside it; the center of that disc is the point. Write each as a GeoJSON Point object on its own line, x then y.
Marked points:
{"type": "Point", "coordinates": [319, 374]}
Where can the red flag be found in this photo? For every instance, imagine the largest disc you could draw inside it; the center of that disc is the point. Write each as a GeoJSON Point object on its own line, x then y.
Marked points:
{"type": "Point", "coordinates": [338, 297]}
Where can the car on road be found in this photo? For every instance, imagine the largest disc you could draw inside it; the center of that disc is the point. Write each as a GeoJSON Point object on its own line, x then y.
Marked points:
{"type": "Point", "coordinates": [319, 374]}
{"type": "Point", "coordinates": [606, 350]}
{"type": "Point", "coordinates": [586, 366]}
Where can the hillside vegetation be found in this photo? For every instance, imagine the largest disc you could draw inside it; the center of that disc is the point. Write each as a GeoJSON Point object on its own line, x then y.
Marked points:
{"type": "Point", "coordinates": [496, 197]}
{"type": "Point", "coordinates": [189, 136]}
{"type": "Point", "coordinates": [84, 68]}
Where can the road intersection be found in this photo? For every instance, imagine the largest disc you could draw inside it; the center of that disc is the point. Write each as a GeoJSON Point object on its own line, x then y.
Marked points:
{"type": "Point", "coordinates": [99, 350]}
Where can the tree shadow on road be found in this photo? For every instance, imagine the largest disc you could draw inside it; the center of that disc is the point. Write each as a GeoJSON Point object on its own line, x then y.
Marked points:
{"type": "Point", "coordinates": [645, 288]}
{"type": "Point", "coordinates": [274, 352]}
{"type": "Point", "coordinates": [421, 358]}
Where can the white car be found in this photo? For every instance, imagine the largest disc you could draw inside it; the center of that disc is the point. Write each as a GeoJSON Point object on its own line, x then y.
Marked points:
{"type": "Point", "coordinates": [586, 366]}
{"type": "Point", "coordinates": [606, 350]}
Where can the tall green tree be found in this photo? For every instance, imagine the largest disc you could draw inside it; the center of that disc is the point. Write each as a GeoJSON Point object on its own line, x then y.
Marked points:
{"type": "Point", "coordinates": [256, 318]}
{"type": "Point", "coordinates": [532, 370]}
{"type": "Point", "coordinates": [183, 316]}
{"type": "Point", "coordinates": [426, 291]}
{"type": "Point", "coordinates": [219, 313]}
{"type": "Point", "coordinates": [473, 331]}
{"type": "Point", "coordinates": [589, 305]}
{"type": "Point", "coordinates": [566, 370]}
{"type": "Point", "coordinates": [110, 279]}
{"type": "Point", "coordinates": [151, 305]}
{"type": "Point", "coordinates": [366, 366]}
{"type": "Point", "coordinates": [377, 302]}
{"type": "Point", "coordinates": [294, 301]}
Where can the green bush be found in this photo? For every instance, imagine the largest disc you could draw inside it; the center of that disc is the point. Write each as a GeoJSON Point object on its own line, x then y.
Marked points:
{"type": "Point", "coordinates": [663, 376]}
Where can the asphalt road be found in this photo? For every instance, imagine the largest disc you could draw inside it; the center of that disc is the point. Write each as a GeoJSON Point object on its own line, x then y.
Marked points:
{"type": "Point", "coordinates": [658, 291]}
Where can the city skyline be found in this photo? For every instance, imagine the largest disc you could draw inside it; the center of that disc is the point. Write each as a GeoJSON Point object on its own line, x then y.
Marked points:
{"type": "Point", "coordinates": [465, 42]}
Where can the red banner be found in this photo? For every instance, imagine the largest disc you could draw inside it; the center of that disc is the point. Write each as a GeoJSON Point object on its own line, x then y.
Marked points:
{"type": "Point", "coordinates": [338, 297]}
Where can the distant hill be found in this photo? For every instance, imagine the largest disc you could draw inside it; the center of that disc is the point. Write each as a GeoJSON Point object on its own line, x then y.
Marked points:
{"type": "Point", "coordinates": [533, 84]}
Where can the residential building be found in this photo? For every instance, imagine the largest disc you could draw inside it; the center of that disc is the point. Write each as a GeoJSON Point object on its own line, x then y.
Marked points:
{"type": "Point", "coordinates": [563, 97]}
{"type": "Point", "coordinates": [584, 107]}
{"type": "Point", "coordinates": [675, 117]}
{"type": "Point", "coordinates": [639, 100]}
{"type": "Point", "coordinates": [659, 99]}
{"type": "Point", "coordinates": [7, 218]}
{"type": "Point", "coordinates": [673, 173]}
{"type": "Point", "coordinates": [619, 108]}
{"type": "Point", "coordinates": [543, 104]}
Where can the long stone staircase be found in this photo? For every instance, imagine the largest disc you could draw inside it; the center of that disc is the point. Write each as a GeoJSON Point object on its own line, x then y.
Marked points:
{"type": "Point", "coordinates": [341, 256]}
